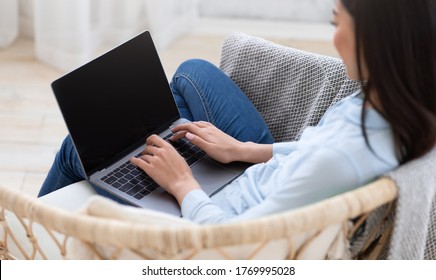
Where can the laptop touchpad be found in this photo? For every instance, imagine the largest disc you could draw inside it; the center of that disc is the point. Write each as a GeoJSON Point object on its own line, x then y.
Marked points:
{"type": "Point", "coordinates": [212, 177]}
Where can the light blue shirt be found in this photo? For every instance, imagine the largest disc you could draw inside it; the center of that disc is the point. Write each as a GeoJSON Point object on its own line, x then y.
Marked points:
{"type": "Point", "coordinates": [329, 159]}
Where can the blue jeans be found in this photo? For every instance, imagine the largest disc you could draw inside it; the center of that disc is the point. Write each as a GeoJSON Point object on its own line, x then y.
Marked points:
{"type": "Point", "coordinates": [202, 93]}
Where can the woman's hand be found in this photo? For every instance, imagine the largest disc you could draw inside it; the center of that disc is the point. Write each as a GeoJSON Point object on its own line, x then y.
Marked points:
{"type": "Point", "coordinates": [167, 167]}
{"type": "Point", "coordinates": [210, 139]}
{"type": "Point", "coordinates": [221, 146]}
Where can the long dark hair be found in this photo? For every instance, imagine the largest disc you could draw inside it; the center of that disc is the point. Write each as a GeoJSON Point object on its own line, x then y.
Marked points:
{"type": "Point", "coordinates": [396, 39]}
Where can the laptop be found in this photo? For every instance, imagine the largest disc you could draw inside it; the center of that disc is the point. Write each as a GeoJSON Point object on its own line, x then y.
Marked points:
{"type": "Point", "coordinates": [111, 105]}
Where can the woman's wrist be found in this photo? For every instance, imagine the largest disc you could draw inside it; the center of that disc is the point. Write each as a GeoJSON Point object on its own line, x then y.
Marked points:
{"type": "Point", "coordinates": [182, 187]}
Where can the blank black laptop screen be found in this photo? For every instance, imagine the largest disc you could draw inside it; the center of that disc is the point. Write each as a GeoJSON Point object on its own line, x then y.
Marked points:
{"type": "Point", "coordinates": [115, 101]}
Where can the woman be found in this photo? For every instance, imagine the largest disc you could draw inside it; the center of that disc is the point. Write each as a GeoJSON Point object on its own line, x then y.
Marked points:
{"type": "Point", "coordinates": [389, 45]}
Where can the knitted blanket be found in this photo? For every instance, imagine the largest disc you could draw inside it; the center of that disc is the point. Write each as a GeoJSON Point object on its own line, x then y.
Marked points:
{"type": "Point", "coordinates": [292, 89]}
{"type": "Point", "coordinates": [414, 234]}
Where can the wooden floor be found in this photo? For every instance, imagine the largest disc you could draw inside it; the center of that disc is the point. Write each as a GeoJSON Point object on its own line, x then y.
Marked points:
{"type": "Point", "coordinates": [31, 127]}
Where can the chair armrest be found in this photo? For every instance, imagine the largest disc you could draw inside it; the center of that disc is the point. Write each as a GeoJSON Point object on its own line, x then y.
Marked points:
{"type": "Point", "coordinates": [300, 231]}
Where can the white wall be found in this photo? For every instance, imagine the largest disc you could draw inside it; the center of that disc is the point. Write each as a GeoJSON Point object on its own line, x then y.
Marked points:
{"type": "Point", "coordinates": [69, 33]}
{"type": "Point", "coordinates": [293, 10]}
{"type": "Point", "coordinates": [8, 22]}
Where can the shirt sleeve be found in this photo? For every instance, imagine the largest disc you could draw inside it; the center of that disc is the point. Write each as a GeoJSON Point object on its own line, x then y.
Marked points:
{"type": "Point", "coordinates": [198, 207]}
{"type": "Point", "coordinates": [320, 174]}
{"type": "Point", "coordinates": [284, 148]}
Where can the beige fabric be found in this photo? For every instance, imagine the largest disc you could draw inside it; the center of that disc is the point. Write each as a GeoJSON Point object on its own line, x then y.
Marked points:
{"type": "Point", "coordinates": [104, 208]}
{"type": "Point", "coordinates": [72, 197]}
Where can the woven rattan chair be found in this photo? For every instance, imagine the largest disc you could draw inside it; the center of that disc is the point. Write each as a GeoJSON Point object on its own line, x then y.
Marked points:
{"type": "Point", "coordinates": [284, 84]}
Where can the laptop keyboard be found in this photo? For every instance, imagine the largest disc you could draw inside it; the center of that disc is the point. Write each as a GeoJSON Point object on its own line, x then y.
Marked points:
{"type": "Point", "coordinates": [136, 183]}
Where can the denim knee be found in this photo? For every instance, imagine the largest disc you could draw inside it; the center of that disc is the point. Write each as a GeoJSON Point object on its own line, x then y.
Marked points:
{"type": "Point", "coordinates": [67, 150]}
{"type": "Point", "coordinates": [69, 159]}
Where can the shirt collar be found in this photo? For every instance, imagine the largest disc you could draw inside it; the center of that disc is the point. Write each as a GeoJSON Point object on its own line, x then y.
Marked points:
{"type": "Point", "coordinates": [373, 119]}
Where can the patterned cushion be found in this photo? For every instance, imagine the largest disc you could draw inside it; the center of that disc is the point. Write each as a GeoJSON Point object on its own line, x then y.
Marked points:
{"type": "Point", "coordinates": [291, 88]}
